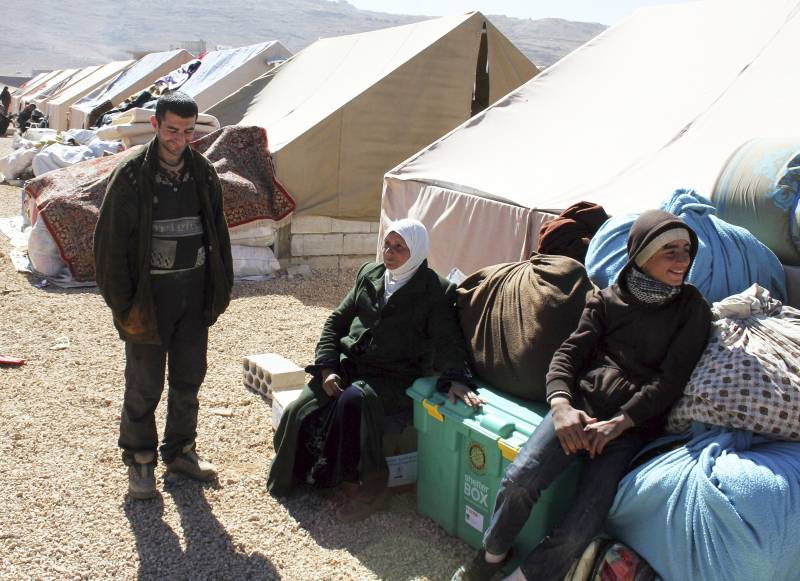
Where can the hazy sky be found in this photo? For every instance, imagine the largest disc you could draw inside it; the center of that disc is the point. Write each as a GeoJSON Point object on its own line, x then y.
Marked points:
{"type": "Point", "coordinates": [604, 11]}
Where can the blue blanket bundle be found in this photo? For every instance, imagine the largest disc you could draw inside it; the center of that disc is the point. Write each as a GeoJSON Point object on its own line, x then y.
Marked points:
{"type": "Point", "coordinates": [723, 506]}
{"type": "Point", "coordinates": [729, 259]}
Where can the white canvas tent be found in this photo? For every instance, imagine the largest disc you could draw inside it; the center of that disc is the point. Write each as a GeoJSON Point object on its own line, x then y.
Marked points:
{"type": "Point", "coordinates": [30, 88]}
{"type": "Point", "coordinates": [43, 97]}
{"type": "Point", "coordinates": [659, 101]}
{"type": "Point", "coordinates": [138, 76]}
{"type": "Point", "coordinates": [58, 106]}
{"type": "Point", "coordinates": [343, 111]}
{"type": "Point", "coordinates": [223, 72]}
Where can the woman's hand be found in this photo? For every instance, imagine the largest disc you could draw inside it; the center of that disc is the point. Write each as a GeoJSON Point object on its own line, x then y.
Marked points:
{"type": "Point", "coordinates": [569, 424]}
{"type": "Point", "coordinates": [460, 391]}
{"type": "Point", "coordinates": [331, 383]}
{"type": "Point", "coordinates": [601, 433]}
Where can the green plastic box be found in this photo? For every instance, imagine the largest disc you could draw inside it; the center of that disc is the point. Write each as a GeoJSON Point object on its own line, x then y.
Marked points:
{"type": "Point", "coordinates": [462, 455]}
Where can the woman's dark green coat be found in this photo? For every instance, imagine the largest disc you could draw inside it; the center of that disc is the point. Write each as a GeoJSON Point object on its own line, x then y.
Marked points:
{"type": "Point", "coordinates": [382, 350]}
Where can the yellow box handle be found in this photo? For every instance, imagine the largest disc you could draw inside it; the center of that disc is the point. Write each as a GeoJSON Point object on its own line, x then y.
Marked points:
{"type": "Point", "coordinates": [433, 410]}
{"type": "Point", "coordinates": [508, 451]}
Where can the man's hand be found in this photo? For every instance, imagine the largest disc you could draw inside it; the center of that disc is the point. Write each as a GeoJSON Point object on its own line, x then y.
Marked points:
{"type": "Point", "coordinates": [331, 383]}
{"type": "Point", "coordinates": [460, 391]}
{"type": "Point", "coordinates": [569, 424]}
{"type": "Point", "coordinates": [601, 433]}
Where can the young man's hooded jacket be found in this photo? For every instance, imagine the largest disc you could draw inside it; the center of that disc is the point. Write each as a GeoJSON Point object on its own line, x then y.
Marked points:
{"type": "Point", "coordinates": [631, 356]}
{"type": "Point", "coordinates": [123, 239]}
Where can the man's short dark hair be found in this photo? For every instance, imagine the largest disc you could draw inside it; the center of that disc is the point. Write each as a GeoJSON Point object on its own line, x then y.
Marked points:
{"type": "Point", "coordinates": [176, 102]}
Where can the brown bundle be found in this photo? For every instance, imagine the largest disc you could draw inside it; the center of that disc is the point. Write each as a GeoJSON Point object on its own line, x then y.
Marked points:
{"type": "Point", "coordinates": [514, 316]}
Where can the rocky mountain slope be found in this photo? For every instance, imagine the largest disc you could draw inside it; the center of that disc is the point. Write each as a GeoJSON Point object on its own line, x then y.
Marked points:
{"type": "Point", "coordinates": [49, 34]}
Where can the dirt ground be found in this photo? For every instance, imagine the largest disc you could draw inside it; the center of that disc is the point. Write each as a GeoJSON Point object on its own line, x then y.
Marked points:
{"type": "Point", "coordinates": [64, 512]}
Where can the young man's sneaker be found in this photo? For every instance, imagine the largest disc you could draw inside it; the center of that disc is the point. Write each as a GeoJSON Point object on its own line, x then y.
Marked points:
{"type": "Point", "coordinates": [478, 569]}
{"type": "Point", "coordinates": [189, 464]}
{"type": "Point", "coordinates": [141, 476]}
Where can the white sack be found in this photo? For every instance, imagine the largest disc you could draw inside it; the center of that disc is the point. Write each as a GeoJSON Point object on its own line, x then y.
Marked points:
{"type": "Point", "coordinates": [16, 162]}
{"type": "Point", "coordinates": [40, 134]}
{"type": "Point", "coordinates": [43, 252]}
{"type": "Point", "coordinates": [253, 261]}
{"type": "Point", "coordinates": [56, 156]}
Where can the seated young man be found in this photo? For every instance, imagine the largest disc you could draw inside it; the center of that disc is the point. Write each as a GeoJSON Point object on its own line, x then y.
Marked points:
{"type": "Point", "coordinates": [609, 386]}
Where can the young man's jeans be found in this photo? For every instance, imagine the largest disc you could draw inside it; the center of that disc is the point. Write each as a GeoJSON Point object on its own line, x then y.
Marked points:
{"type": "Point", "coordinates": [537, 465]}
{"type": "Point", "coordinates": [184, 341]}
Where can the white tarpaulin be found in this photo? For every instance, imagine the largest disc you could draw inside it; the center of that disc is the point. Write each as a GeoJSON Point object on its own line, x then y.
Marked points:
{"type": "Point", "coordinates": [138, 76]}
{"type": "Point", "coordinates": [58, 106]}
{"type": "Point", "coordinates": [657, 102]}
{"type": "Point", "coordinates": [223, 72]}
{"type": "Point", "coordinates": [345, 110]}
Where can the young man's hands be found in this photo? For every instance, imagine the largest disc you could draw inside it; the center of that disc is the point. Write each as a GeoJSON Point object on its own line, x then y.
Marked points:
{"type": "Point", "coordinates": [577, 431]}
{"type": "Point", "coordinates": [569, 424]}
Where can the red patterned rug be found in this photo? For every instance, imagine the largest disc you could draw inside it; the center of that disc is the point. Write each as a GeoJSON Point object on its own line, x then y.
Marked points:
{"type": "Point", "coordinates": [69, 199]}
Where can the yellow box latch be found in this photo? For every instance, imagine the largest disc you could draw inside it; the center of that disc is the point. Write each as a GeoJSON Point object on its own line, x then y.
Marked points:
{"type": "Point", "coordinates": [433, 410]}
{"type": "Point", "coordinates": [508, 451]}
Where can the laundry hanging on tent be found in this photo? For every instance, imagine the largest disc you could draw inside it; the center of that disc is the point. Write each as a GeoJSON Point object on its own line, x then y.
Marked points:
{"type": "Point", "coordinates": [728, 261]}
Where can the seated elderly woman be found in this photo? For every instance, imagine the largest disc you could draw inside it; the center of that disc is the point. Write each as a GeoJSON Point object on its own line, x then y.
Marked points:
{"type": "Point", "coordinates": [396, 324]}
{"type": "Point", "coordinates": [609, 386]}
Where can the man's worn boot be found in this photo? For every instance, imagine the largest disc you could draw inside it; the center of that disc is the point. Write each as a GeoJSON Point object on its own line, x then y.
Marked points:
{"type": "Point", "coordinates": [189, 464]}
{"type": "Point", "coordinates": [141, 476]}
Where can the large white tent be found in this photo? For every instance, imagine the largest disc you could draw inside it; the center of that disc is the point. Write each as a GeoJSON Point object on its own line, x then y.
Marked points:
{"type": "Point", "coordinates": [343, 111]}
{"type": "Point", "coordinates": [138, 76]}
{"type": "Point", "coordinates": [657, 102]}
{"type": "Point", "coordinates": [58, 106]}
{"type": "Point", "coordinates": [223, 72]}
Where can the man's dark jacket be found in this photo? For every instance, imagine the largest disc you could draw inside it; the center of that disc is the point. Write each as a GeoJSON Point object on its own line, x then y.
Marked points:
{"type": "Point", "coordinates": [123, 238]}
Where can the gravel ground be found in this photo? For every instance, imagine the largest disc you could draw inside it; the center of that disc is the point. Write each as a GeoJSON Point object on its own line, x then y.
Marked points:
{"type": "Point", "coordinates": [62, 486]}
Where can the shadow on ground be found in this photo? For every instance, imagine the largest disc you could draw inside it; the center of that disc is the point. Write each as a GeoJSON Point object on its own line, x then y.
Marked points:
{"type": "Point", "coordinates": [395, 544]}
{"type": "Point", "coordinates": [210, 551]}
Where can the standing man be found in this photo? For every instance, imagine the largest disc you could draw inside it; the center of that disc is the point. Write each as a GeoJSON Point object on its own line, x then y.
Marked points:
{"type": "Point", "coordinates": [163, 264]}
{"type": "Point", "coordinates": [5, 100]}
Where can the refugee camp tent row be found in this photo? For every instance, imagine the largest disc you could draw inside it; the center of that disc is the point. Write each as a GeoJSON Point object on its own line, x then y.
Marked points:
{"type": "Point", "coordinates": [58, 106]}
{"type": "Point", "coordinates": [219, 74]}
{"type": "Point", "coordinates": [41, 98]}
{"type": "Point", "coordinates": [53, 83]}
{"type": "Point", "coordinates": [25, 86]}
{"type": "Point", "coordinates": [623, 121]}
{"type": "Point", "coordinates": [30, 88]}
{"type": "Point", "coordinates": [135, 78]}
{"type": "Point", "coordinates": [354, 106]}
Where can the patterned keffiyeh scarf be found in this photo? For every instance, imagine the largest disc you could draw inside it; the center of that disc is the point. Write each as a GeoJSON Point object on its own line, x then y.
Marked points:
{"type": "Point", "coordinates": [649, 290]}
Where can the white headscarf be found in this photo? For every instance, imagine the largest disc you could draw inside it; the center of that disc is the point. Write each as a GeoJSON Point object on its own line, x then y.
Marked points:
{"type": "Point", "coordinates": [415, 235]}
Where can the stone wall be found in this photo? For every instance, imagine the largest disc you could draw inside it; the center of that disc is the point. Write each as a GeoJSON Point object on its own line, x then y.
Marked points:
{"type": "Point", "coordinates": [329, 243]}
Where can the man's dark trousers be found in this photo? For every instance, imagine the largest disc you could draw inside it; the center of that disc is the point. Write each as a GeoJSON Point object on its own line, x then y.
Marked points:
{"type": "Point", "coordinates": [179, 300]}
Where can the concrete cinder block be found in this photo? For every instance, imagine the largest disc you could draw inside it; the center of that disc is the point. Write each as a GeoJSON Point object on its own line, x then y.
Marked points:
{"type": "Point", "coordinates": [347, 262]}
{"type": "Point", "coordinates": [269, 372]}
{"type": "Point", "coordinates": [311, 225]}
{"type": "Point", "coordinates": [280, 400]}
{"type": "Point", "coordinates": [359, 244]}
{"type": "Point", "coordinates": [323, 244]}
{"type": "Point", "coordinates": [297, 244]}
{"type": "Point", "coordinates": [350, 226]}
{"type": "Point", "coordinates": [374, 226]}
